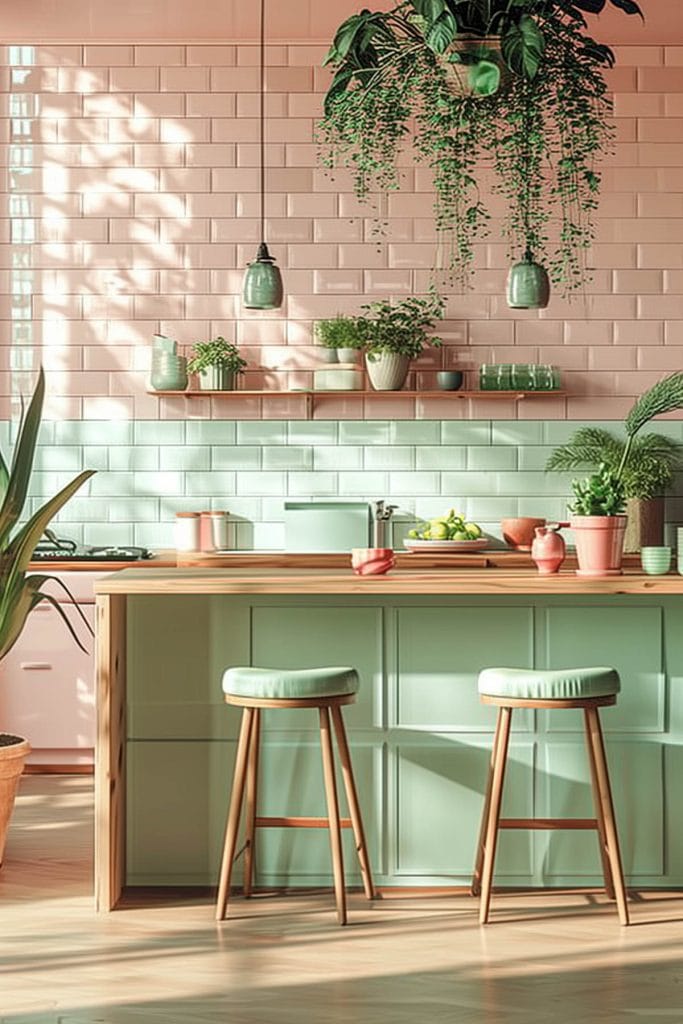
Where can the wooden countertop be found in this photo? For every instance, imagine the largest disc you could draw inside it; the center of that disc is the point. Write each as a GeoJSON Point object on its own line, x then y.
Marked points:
{"type": "Point", "coordinates": [473, 580]}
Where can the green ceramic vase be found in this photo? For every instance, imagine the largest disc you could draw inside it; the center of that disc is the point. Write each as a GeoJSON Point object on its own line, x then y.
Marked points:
{"type": "Point", "coordinates": [528, 286]}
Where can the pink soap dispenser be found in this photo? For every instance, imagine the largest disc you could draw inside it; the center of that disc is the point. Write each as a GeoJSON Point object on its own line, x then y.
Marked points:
{"type": "Point", "coordinates": [548, 548]}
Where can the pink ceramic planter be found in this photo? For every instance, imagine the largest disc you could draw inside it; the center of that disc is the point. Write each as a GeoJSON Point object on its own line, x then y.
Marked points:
{"type": "Point", "coordinates": [372, 561]}
{"type": "Point", "coordinates": [599, 544]}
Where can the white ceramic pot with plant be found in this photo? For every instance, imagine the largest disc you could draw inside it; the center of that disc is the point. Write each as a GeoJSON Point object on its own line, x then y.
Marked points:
{"type": "Point", "coordinates": [19, 592]}
{"type": "Point", "coordinates": [217, 364]}
{"type": "Point", "coordinates": [340, 337]}
{"type": "Point", "coordinates": [396, 334]}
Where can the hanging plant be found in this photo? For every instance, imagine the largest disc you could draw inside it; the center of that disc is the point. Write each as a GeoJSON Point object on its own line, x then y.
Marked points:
{"type": "Point", "coordinates": [508, 89]}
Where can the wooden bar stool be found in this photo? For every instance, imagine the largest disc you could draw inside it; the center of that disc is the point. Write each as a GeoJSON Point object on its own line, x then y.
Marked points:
{"type": "Point", "coordinates": [587, 688]}
{"type": "Point", "coordinates": [326, 689]}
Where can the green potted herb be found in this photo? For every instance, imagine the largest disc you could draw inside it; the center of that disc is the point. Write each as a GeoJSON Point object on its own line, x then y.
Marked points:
{"type": "Point", "coordinates": [395, 334]}
{"type": "Point", "coordinates": [653, 460]}
{"type": "Point", "coordinates": [516, 82]}
{"type": "Point", "coordinates": [599, 501]}
{"type": "Point", "coordinates": [20, 592]}
{"type": "Point", "coordinates": [217, 363]}
{"type": "Point", "coordinates": [342, 336]}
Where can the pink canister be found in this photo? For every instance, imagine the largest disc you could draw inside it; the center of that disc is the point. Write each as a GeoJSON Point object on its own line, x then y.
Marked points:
{"type": "Point", "coordinates": [548, 548]}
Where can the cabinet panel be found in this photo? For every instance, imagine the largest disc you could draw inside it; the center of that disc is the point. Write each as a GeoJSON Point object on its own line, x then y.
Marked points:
{"type": "Point", "coordinates": [630, 639]}
{"type": "Point", "coordinates": [440, 653]}
{"type": "Point", "coordinates": [440, 794]}
{"type": "Point", "coordinates": [636, 772]}
{"type": "Point", "coordinates": [304, 637]}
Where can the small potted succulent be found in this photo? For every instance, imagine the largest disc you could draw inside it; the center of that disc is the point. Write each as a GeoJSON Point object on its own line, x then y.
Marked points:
{"type": "Point", "coordinates": [217, 364]}
{"type": "Point", "coordinates": [396, 333]}
{"type": "Point", "coordinates": [598, 518]}
{"type": "Point", "coordinates": [341, 336]}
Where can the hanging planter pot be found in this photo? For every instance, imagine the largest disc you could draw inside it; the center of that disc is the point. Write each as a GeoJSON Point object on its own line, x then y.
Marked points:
{"type": "Point", "coordinates": [387, 370]}
{"type": "Point", "coordinates": [474, 66]}
{"type": "Point", "coordinates": [528, 285]}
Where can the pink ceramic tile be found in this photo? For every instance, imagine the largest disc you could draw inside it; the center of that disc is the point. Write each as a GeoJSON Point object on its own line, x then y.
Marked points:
{"type": "Point", "coordinates": [222, 56]}
{"type": "Point", "coordinates": [338, 282]}
{"type": "Point", "coordinates": [107, 56]}
{"type": "Point", "coordinates": [639, 282]}
{"type": "Point", "coordinates": [106, 408]}
{"type": "Point", "coordinates": [248, 154]}
{"type": "Point", "coordinates": [660, 256]}
{"type": "Point", "coordinates": [665, 359]}
{"type": "Point", "coordinates": [656, 307]}
{"type": "Point", "coordinates": [249, 56]}
{"type": "Point", "coordinates": [171, 129]}
{"type": "Point", "coordinates": [612, 357]}
{"type": "Point", "coordinates": [205, 104]}
{"type": "Point", "coordinates": [159, 56]}
{"type": "Point", "coordinates": [155, 104]}
{"type": "Point", "coordinates": [233, 79]}
{"type": "Point", "coordinates": [184, 80]}
{"type": "Point", "coordinates": [638, 332]}
{"type": "Point", "coordinates": [588, 332]}
{"type": "Point", "coordinates": [82, 80]}
{"type": "Point", "coordinates": [133, 79]}
{"type": "Point", "coordinates": [666, 79]}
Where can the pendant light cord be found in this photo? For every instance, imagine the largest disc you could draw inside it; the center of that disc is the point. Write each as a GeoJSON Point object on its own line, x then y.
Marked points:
{"type": "Point", "coordinates": [262, 134]}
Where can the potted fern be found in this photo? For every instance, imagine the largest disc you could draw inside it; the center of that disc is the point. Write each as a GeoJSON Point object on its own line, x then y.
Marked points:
{"type": "Point", "coordinates": [598, 518]}
{"type": "Point", "coordinates": [217, 363]}
{"type": "Point", "coordinates": [649, 471]}
{"type": "Point", "coordinates": [19, 591]}
{"type": "Point", "coordinates": [396, 333]}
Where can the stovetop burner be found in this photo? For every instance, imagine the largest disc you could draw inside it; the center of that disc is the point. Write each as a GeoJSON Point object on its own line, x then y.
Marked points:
{"type": "Point", "coordinates": [58, 549]}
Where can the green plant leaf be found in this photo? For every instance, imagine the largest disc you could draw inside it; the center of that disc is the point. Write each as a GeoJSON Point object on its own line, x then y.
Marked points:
{"type": "Point", "coordinates": [430, 10]}
{"type": "Point", "coordinates": [442, 33]}
{"type": "Point", "coordinates": [484, 78]}
{"type": "Point", "coordinates": [523, 45]}
{"type": "Point", "coordinates": [629, 6]}
{"type": "Point", "coordinates": [22, 463]}
{"type": "Point", "coordinates": [344, 38]}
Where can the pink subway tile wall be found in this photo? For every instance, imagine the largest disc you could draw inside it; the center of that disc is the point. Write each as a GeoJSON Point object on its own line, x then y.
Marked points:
{"type": "Point", "coordinates": [130, 207]}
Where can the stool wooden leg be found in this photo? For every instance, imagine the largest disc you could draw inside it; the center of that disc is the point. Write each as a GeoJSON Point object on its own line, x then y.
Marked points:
{"type": "Point", "coordinates": [475, 888]}
{"type": "Point", "coordinates": [602, 775]}
{"type": "Point", "coordinates": [232, 824]}
{"type": "Point", "coordinates": [494, 814]}
{"type": "Point", "coordinates": [333, 814]}
{"type": "Point", "coordinates": [599, 812]}
{"type": "Point", "coordinates": [252, 792]}
{"type": "Point", "coordinates": [352, 800]}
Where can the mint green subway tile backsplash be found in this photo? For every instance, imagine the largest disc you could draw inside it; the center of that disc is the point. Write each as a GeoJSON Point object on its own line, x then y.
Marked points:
{"type": "Point", "coordinates": [149, 470]}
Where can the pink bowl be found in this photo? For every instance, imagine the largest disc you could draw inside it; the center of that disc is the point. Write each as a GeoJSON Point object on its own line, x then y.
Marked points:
{"type": "Point", "coordinates": [372, 561]}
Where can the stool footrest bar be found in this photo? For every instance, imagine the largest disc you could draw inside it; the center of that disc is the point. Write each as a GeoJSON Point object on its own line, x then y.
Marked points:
{"type": "Point", "coordinates": [549, 823]}
{"type": "Point", "coordinates": [299, 823]}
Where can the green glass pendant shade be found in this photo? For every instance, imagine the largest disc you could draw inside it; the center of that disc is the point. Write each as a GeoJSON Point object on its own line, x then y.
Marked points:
{"type": "Point", "coordinates": [262, 287]}
{"type": "Point", "coordinates": [528, 285]}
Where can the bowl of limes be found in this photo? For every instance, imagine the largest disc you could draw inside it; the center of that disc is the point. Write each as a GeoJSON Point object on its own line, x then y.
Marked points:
{"type": "Point", "coordinates": [451, 532]}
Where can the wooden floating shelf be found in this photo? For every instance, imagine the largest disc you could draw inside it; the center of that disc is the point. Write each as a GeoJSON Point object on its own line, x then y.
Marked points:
{"type": "Point", "coordinates": [517, 395]}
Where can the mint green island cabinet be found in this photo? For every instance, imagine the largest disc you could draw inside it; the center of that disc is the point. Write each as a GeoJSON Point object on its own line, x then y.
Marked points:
{"type": "Point", "coordinates": [420, 738]}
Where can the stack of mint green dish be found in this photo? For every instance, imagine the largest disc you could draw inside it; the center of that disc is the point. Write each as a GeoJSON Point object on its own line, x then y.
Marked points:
{"type": "Point", "coordinates": [169, 370]}
{"type": "Point", "coordinates": [655, 560]}
{"type": "Point", "coordinates": [519, 377]}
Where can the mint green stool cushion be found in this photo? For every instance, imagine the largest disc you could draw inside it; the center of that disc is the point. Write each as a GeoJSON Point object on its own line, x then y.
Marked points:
{"type": "Point", "coordinates": [284, 684]}
{"type": "Point", "coordinates": [556, 684]}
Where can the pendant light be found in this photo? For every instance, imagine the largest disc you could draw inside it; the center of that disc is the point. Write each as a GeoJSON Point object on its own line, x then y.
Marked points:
{"type": "Point", "coordinates": [262, 286]}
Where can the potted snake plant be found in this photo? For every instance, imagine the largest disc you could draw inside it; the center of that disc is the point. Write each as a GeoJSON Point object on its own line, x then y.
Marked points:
{"type": "Point", "coordinates": [515, 83]}
{"type": "Point", "coordinates": [20, 591]}
{"type": "Point", "coordinates": [598, 518]}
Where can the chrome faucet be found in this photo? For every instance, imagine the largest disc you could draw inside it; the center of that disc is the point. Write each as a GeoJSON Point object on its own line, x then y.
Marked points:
{"type": "Point", "coordinates": [381, 516]}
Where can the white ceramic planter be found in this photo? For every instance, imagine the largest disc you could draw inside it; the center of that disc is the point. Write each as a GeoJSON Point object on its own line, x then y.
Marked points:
{"type": "Point", "coordinates": [216, 378]}
{"type": "Point", "coordinates": [387, 370]}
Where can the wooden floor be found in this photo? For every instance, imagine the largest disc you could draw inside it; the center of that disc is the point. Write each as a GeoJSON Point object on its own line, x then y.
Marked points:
{"type": "Point", "coordinates": [544, 959]}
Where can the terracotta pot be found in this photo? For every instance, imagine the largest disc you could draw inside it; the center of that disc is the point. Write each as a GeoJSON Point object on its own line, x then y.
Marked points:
{"type": "Point", "coordinates": [548, 548]}
{"type": "Point", "coordinates": [13, 753]}
{"type": "Point", "coordinates": [518, 531]}
{"type": "Point", "coordinates": [387, 370]}
{"type": "Point", "coordinates": [372, 561]}
{"type": "Point", "coordinates": [599, 544]}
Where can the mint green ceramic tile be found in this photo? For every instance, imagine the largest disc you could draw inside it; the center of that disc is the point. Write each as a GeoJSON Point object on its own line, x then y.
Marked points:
{"type": "Point", "coordinates": [441, 457]}
{"type": "Point", "coordinates": [426, 432]}
{"type": "Point", "coordinates": [637, 787]}
{"type": "Point", "coordinates": [466, 432]}
{"type": "Point", "coordinates": [364, 483]}
{"type": "Point", "coordinates": [630, 640]}
{"type": "Point", "coordinates": [260, 483]}
{"type": "Point", "coordinates": [388, 457]}
{"type": "Point", "coordinates": [552, 509]}
{"type": "Point", "coordinates": [211, 483]}
{"type": "Point", "coordinates": [440, 791]}
{"type": "Point", "coordinates": [312, 484]}
{"type": "Point", "coordinates": [96, 457]}
{"type": "Point", "coordinates": [130, 510]}
{"type": "Point", "coordinates": [188, 457]}
{"type": "Point", "coordinates": [491, 457]}
{"type": "Point", "coordinates": [154, 483]}
{"type": "Point", "coordinates": [261, 432]}
{"type": "Point", "coordinates": [107, 432]}
{"type": "Point", "coordinates": [108, 533]}
{"type": "Point", "coordinates": [534, 456]}
{"type": "Point", "coordinates": [156, 536]}
{"type": "Point", "coordinates": [288, 457]}
{"type": "Point", "coordinates": [312, 432]}
{"type": "Point", "coordinates": [46, 432]}
{"type": "Point", "coordinates": [364, 432]}
{"type": "Point", "coordinates": [236, 457]}
{"type": "Point", "coordinates": [211, 432]}
{"type": "Point", "coordinates": [140, 457]}
{"type": "Point", "coordinates": [466, 484]}
{"type": "Point", "coordinates": [491, 508]}
{"type": "Point", "coordinates": [80, 509]}
{"type": "Point", "coordinates": [159, 432]}
{"type": "Point", "coordinates": [528, 482]}
{"type": "Point", "coordinates": [45, 485]}
{"type": "Point", "coordinates": [518, 432]}
{"type": "Point", "coordinates": [268, 536]}
{"type": "Point", "coordinates": [413, 483]}
{"type": "Point", "coordinates": [559, 431]}
{"type": "Point", "coordinates": [337, 457]}
{"type": "Point", "coordinates": [58, 458]}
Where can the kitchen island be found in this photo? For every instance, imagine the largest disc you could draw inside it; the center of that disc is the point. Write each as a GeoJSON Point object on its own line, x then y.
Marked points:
{"type": "Point", "coordinates": [420, 738]}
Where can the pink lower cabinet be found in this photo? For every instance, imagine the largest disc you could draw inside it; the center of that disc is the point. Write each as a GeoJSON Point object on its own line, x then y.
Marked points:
{"type": "Point", "coordinates": [47, 691]}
